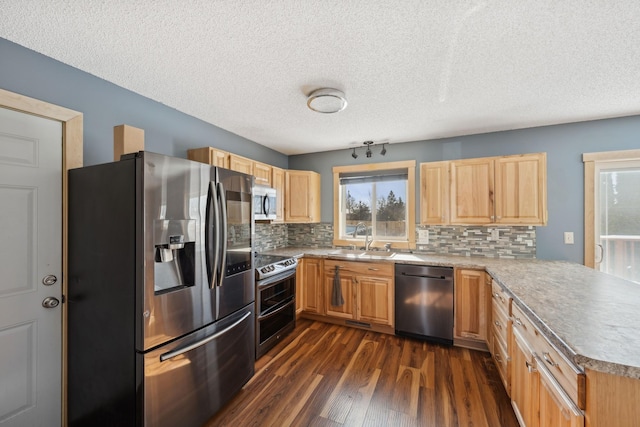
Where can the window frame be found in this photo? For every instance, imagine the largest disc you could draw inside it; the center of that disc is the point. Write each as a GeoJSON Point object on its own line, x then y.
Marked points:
{"type": "Point", "coordinates": [410, 166]}
{"type": "Point", "coordinates": [593, 163]}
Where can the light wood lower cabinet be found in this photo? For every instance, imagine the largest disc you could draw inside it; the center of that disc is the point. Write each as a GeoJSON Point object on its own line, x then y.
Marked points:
{"type": "Point", "coordinates": [546, 389]}
{"type": "Point", "coordinates": [309, 292]}
{"type": "Point", "coordinates": [499, 339]}
{"type": "Point", "coordinates": [472, 306]}
{"type": "Point", "coordinates": [524, 382]}
{"type": "Point", "coordinates": [555, 408]}
{"type": "Point", "coordinates": [348, 281]}
{"type": "Point", "coordinates": [367, 290]}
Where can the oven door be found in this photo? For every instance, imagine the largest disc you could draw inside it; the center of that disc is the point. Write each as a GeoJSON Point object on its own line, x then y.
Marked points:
{"type": "Point", "coordinates": [276, 310]}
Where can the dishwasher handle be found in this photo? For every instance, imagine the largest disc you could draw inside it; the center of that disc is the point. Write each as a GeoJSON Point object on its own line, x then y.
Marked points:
{"type": "Point", "coordinates": [425, 276]}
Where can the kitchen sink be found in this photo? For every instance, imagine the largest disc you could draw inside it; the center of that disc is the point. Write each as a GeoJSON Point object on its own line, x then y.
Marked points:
{"type": "Point", "coordinates": [346, 253]}
{"type": "Point", "coordinates": [361, 254]}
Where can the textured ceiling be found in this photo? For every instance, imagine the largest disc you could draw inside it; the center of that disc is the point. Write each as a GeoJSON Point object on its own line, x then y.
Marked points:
{"type": "Point", "coordinates": [411, 70]}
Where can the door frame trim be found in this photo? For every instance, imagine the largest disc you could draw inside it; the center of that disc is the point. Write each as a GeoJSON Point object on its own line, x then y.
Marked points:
{"type": "Point", "coordinates": [590, 160]}
{"type": "Point", "coordinates": [72, 149]}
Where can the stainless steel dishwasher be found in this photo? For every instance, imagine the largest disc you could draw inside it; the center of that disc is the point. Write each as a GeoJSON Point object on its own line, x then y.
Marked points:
{"type": "Point", "coordinates": [424, 302]}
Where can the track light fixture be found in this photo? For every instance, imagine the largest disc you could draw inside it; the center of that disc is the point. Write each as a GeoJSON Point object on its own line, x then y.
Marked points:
{"type": "Point", "coordinates": [369, 153]}
{"type": "Point", "coordinates": [368, 144]}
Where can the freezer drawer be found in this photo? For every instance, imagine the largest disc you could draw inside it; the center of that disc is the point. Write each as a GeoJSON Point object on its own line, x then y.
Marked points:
{"type": "Point", "coordinates": [188, 380]}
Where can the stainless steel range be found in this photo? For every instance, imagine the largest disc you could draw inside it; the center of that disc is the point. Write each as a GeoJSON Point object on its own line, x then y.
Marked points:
{"type": "Point", "coordinates": [275, 300]}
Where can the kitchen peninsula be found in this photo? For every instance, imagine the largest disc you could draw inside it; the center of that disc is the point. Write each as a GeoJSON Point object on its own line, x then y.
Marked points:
{"type": "Point", "coordinates": [588, 316]}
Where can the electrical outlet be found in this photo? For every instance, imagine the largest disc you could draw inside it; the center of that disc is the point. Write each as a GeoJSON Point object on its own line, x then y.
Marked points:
{"type": "Point", "coordinates": [568, 237]}
{"type": "Point", "coordinates": [495, 234]}
{"type": "Point", "coordinates": [423, 236]}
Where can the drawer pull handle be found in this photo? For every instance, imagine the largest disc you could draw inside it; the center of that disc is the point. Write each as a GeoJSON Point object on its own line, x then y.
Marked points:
{"type": "Point", "coordinates": [547, 358]}
{"type": "Point", "coordinates": [498, 296]}
{"type": "Point", "coordinates": [498, 324]}
{"type": "Point", "coordinates": [373, 269]}
{"type": "Point", "coordinates": [517, 321]}
{"type": "Point", "coordinates": [498, 358]}
{"type": "Point", "coordinates": [530, 367]}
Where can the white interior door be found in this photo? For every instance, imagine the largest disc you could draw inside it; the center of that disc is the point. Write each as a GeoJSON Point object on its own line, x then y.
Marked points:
{"type": "Point", "coordinates": [31, 269]}
{"type": "Point", "coordinates": [617, 218]}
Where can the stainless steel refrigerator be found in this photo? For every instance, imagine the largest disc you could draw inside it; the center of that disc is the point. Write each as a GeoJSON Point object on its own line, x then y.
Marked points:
{"type": "Point", "coordinates": [161, 291]}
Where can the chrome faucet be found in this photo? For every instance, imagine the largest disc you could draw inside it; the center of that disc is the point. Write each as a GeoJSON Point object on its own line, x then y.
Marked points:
{"type": "Point", "coordinates": [367, 242]}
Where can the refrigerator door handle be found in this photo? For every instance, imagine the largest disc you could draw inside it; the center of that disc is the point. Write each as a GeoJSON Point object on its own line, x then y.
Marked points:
{"type": "Point", "coordinates": [186, 348]}
{"type": "Point", "coordinates": [222, 257]}
{"type": "Point", "coordinates": [212, 248]}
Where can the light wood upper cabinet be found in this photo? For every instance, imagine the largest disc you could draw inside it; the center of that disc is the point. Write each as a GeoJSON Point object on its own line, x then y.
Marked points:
{"type": "Point", "coordinates": [471, 301]}
{"type": "Point", "coordinates": [472, 188]}
{"type": "Point", "coordinates": [210, 156]}
{"type": "Point", "coordinates": [262, 173]}
{"type": "Point", "coordinates": [434, 193]}
{"type": "Point", "coordinates": [277, 182]}
{"type": "Point", "coordinates": [521, 189]}
{"type": "Point", "coordinates": [499, 190]}
{"type": "Point", "coordinates": [302, 196]}
{"type": "Point", "coordinates": [240, 164]}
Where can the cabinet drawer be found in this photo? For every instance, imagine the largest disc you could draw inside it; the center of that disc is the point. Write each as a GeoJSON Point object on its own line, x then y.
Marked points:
{"type": "Point", "coordinates": [571, 379]}
{"type": "Point", "coordinates": [498, 295]}
{"type": "Point", "coordinates": [360, 268]}
{"type": "Point", "coordinates": [556, 408]}
{"type": "Point", "coordinates": [524, 325]}
{"type": "Point", "coordinates": [501, 358]}
{"type": "Point", "coordinates": [500, 323]}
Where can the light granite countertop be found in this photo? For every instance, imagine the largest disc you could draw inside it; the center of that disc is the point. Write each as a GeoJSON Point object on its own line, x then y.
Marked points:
{"type": "Point", "coordinates": [593, 318]}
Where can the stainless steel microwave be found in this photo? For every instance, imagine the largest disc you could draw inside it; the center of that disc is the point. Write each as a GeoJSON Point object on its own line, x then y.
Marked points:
{"type": "Point", "coordinates": [264, 203]}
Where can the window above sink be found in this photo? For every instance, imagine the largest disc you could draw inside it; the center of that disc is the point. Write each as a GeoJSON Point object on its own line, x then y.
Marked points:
{"type": "Point", "coordinates": [374, 205]}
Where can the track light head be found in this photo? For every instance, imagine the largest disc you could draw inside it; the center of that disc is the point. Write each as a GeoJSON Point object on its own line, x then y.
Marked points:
{"type": "Point", "coordinates": [383, 151]}
{"type": "Point", "coordinates": [354, 155]}
{"type": "Point", "coordinates": [368, 144]}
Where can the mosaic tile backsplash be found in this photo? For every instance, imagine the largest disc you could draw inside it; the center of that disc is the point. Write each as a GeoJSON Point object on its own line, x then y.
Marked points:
{"type": "Point", "coordinates": [492, 242]}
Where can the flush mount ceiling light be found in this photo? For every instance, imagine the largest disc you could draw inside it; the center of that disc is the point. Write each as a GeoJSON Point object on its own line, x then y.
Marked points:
{"type": "Point", "coordinates": [326, 101]}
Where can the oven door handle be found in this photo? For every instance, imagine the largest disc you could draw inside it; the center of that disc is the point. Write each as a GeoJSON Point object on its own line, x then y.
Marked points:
{"type": "Point", "coordinates": [274, 280]}
{"type": "Point", "coordinates": [269, 314]}
{"type": "Point", "coordinates": [186, 348]}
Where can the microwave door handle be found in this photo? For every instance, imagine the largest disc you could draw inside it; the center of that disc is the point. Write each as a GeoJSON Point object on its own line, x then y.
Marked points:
{"type": "Point", "coordinates": [265, 205]}
{"type": "Point", "coordinates": [189, 347]}
{"type": "Point", "coordinates": [211, 235]}
{"type": "Point", "coordinates": [222, 257]}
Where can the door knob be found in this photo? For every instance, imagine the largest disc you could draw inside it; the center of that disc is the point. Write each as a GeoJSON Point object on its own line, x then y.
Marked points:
{"type": "Point", "coordinates": [49, 279]}
{"type": "Point", "coordinates": [50, 302]}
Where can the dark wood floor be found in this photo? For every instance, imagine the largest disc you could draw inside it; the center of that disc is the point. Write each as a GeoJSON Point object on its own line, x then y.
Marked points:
{"type": "Point", "coordinates": [329, 375]}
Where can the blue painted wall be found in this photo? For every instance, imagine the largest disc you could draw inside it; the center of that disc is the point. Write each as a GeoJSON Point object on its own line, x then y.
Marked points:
{"type": "Point", "coordinates": [105, 105]}
{"type": "Point", "coordinates": [171, 132]}
{"type": "Point", "coordinates": [564, 145]}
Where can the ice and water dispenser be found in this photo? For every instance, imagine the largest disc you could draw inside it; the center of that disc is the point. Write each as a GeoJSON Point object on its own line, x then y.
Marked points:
{"type": "Point", "coordinates": [175, 254]}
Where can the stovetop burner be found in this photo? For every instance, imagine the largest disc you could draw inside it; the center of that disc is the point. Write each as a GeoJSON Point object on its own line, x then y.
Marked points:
{"type": "Point", "coordinates": [270, 265]}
